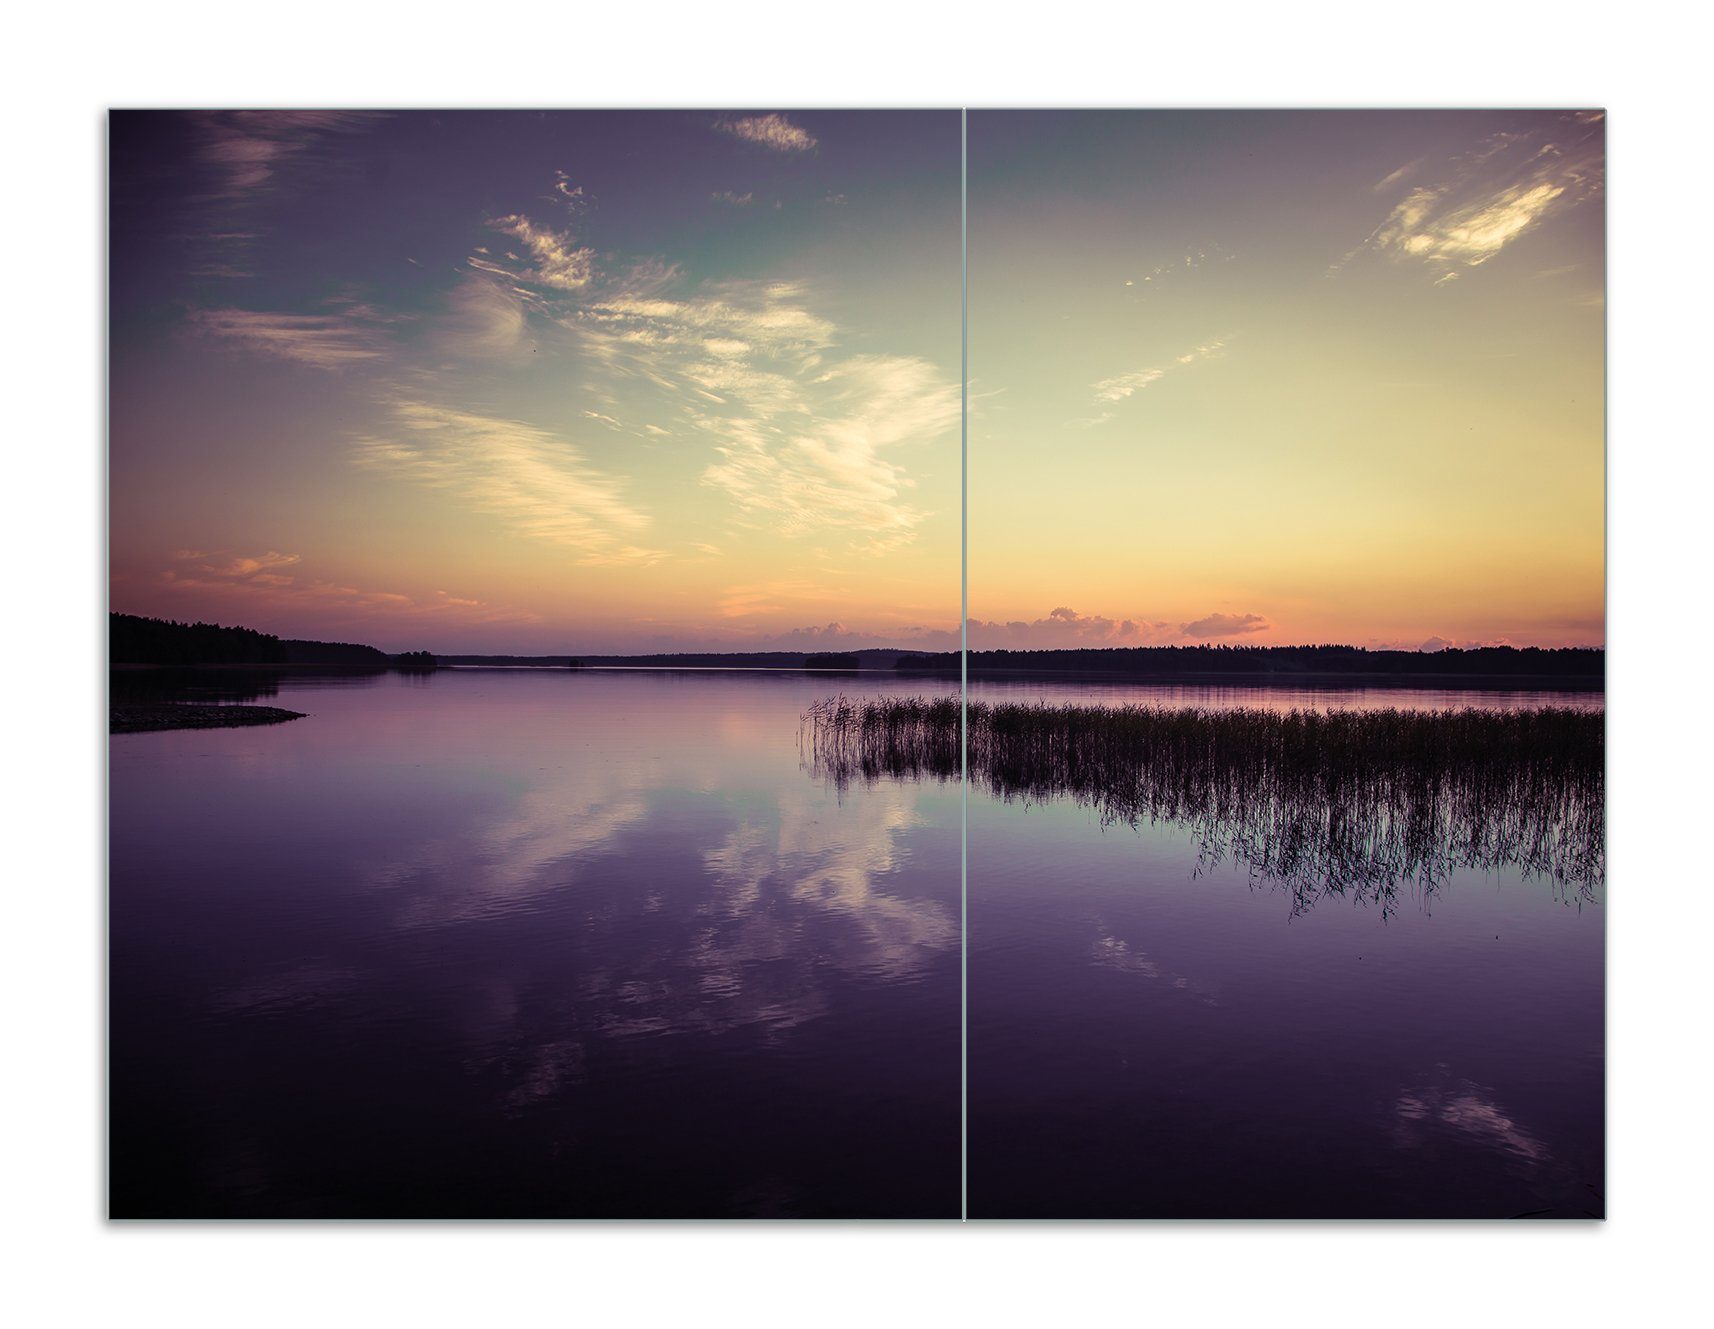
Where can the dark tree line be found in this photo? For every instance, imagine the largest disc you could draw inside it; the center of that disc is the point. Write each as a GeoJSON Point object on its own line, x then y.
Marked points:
{"type": "Point", "coordinates": [159, 641]}
{"type": "Point", "coordinates": [1142, 661]}
{"type": "Point", "coordinates": [832, 660]}
{"type": "Point", "coordinates": [134, 640]}
{"type": "Point", "coordinates": [335, 653]}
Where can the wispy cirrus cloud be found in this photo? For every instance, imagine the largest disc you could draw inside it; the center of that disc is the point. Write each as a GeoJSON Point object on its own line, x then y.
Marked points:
{"type": "Point", "coordinates": [252, 585]}
{"type": "Point", "coordinates": [1502, 189]}
{"type": "Point", "coordinates": [835, 468]}
{"type": "Point", "coordinates": [1121, 386]}
{"type": "Point", "coordinates": [770, 317]}
{"type": "Point", "coordinates": [804, 436]}
{"type": "Point", "coordinates": [1187, 263]}
{"type": "Point", "coordinates": [539, 484]}
{"type": "Point", "coordinates": [246, 565]}
{"type": "Point", "coordinates": [750, 382]}
{"type": "Point", "coordinates": [248, 149]}
{"type": "Point", "coordinates": [771, 131]}
{"type": "Point", "coordinates": [569, 194]}
{"type": "Point", "coordinates": [349, 334]}
{"type": "Point", "coordinates": [1392, 178]}
{"type": "Point", "coordinates": [248, 157]}
{"type": "Point", "coordinates": [485, 319]}
{"type": "Point", "coordinates": [775, 598]}
{"type": "Point", "coordinates": [558, 260]}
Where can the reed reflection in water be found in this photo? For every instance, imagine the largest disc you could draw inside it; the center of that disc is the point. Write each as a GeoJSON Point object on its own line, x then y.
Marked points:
{"type": "Point", "coordinates": [1346, 803]}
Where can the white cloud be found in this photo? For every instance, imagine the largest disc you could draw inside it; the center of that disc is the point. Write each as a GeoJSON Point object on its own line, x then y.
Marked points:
{"type": "Point", "coordinates": [540, 485]}
{"type": "Point", "coordinates": [485, 319]}
{"type": "Point", "coordinates": [770, 316]}
{"type": "Point", "coordinates": [569, 194]}
{"type": "Point", "coordinates": [247, 149]}
{"type": "Point", "coordinates": [1178, 267]}
{"type": "Point", "coordinates": [1121, 386]}
{"type": "Point", "coordinates": [833, 468]}
{"type": "Point", "coordinates": [1501, 190]}
{"type": "Point", "coordinates": [326, 341]}
{"type": "Point", "coordinates": [1421, 227]}
{"type": "Point", "coordinates": [559, 261]}
{"type": "Point", "coordinates": [1382, 185]}
{"type": "Point", "coordinates": [243, 565]}
{"type": "Point", "coordinates": [803, 435]}
{"type": "Point", "coordinates": [772, 131]}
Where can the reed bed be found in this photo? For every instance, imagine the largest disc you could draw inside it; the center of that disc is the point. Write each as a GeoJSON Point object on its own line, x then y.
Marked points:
{"type": "Point", "coordinates": [1320, 802]}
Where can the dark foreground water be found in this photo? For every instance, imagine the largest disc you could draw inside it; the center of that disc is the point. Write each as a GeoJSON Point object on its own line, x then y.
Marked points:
{"type": "Point", "coordinates": [504, 943]}
{"type": "Point", "coordinates": [1158, 1033]}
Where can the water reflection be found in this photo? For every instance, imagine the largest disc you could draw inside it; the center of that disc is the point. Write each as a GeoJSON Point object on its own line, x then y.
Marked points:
{"type": "Point", "coordinates": [1462, 1108]}
{"type": "Point", "coordinates": [135, 684]}
{"type": "Point", "coordinates": [833, 864]}
{"type": "Point", "coordinates": [792, 894]}
{"type": "Point", "coordinates": [1358, 804]}
{"type": "Point", "coordinates": [520, 944]}
{"type": "Point", "coordinates": [1109, 951]}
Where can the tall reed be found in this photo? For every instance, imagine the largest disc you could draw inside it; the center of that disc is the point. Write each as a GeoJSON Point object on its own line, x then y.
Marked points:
{"type": "Point", "coordinates": [1318, 801]}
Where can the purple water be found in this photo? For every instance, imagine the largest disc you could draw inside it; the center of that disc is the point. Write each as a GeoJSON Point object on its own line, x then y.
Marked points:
{"type": "Point", "coordinates": [1153, 1036]}
{"type": "Point", "coordinates": [517, 944]}
{"type": "Point", "coordinates": [512, 943]}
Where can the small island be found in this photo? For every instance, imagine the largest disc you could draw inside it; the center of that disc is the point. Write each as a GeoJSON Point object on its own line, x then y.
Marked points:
{"type": "Point", "coordinates": [157, 656]}
{"type": "Point", "coordinates": [144, 717]}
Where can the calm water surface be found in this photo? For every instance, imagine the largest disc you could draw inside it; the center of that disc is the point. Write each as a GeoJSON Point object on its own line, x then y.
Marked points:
{"type": "Point", "coordinates": [1155, 1035]}
{"type": "Point", "coordinates": [523, 943]}
{"type": "Point", "coordinates": [512, 943]}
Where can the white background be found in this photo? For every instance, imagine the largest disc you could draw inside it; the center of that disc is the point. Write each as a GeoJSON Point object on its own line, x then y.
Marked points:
{"type": "Point", "coordinates": [64, 67]}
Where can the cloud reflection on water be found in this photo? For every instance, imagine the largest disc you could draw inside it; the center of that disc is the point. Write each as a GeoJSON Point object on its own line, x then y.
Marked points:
{"type": "Point", "coordinates": [668, 929]}
{"type": "Point", "coordinates": [1454, 1107]}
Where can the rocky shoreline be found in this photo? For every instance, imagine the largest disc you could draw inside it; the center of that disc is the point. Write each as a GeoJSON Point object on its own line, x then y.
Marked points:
{"type": "Point", "coordinates": [151, 716]}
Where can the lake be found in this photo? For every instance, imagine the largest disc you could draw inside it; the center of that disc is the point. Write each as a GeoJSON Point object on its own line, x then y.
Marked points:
{"type": "Point", "coordinates": [606, 943]}
{"type": "Point", "coordinates": [515, 943]}
{"type": "Point", "coordinates": [1155, 1035]}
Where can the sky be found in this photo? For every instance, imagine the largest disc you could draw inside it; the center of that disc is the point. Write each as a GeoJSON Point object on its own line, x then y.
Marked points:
{"type": "Point", "coordinates": [525, 382]}
{"type": "Point", "coordinates": [1282, 377]}
{"type": "Point", "coordinates": [601, 382]}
